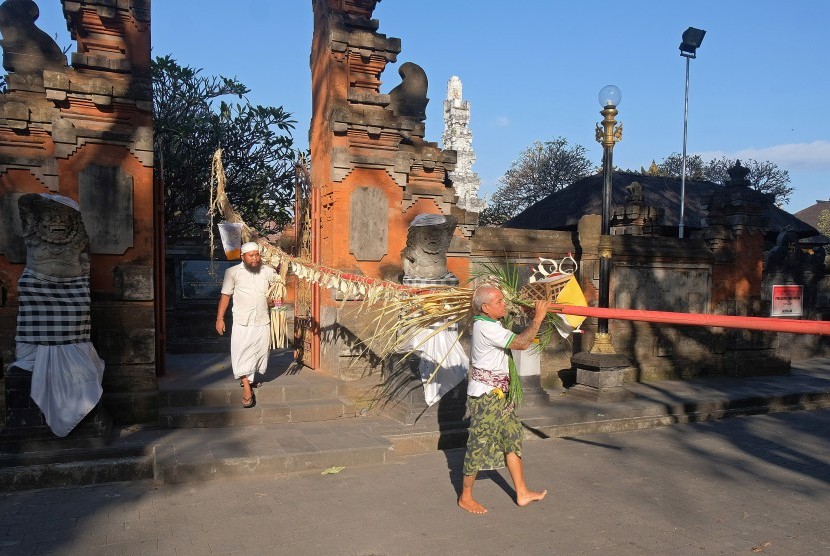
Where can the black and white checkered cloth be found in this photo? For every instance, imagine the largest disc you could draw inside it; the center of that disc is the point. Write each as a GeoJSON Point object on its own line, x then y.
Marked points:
{"type": "Point", "coordinates": [53, 311]}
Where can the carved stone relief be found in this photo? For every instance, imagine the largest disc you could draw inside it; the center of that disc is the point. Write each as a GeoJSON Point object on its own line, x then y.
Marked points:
{"type": "Point", "coordinates": [106, 194]}
{"type": "Point", "coordinates": [368, 224]}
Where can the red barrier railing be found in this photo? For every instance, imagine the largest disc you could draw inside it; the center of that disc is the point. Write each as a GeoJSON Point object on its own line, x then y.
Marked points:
{"type": "Point", "coordinates": [819, 327]}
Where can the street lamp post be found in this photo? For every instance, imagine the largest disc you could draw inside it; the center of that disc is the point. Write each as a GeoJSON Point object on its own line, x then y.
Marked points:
{"type": "Point", "coordinates": [692, 38]}
{"type": "Point", "coordinates": [608, 133]}
{"type": "Point", "coordinates": [600, 372]}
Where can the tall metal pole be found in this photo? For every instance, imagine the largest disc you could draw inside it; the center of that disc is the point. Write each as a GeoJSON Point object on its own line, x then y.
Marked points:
{"type": "Point", "coordinates": [607, 133]}
{"type": "Point", "coordinates": [683, 169]}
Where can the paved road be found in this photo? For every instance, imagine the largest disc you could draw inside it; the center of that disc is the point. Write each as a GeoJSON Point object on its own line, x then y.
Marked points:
{"type": "Point", "coordinates": [748, 485]}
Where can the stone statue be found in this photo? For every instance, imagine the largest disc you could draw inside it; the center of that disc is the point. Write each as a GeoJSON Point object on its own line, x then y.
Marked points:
{"type": "Point", "coordinates": [634, 193]}
{"type": "Point", "coordinates": [54, 234]}
{"type": "Point", "coordinates": [427, 241]}
{"type": "Point", "coordinates": [27, 48]}
{"type": "Point", "coordinates": [409, 99]}
{"type": "Point", "coordinates": [53, 319]}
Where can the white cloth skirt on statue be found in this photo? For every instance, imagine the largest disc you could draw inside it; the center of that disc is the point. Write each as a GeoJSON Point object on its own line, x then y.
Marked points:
{"type": "Point", "coordinates": [443, 365]}
{"type": "Point", "coordinates": [66, 381]}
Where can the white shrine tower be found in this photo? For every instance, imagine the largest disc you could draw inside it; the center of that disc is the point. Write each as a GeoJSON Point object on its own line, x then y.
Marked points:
{"type": "Point", "coordinates": [458, 137]}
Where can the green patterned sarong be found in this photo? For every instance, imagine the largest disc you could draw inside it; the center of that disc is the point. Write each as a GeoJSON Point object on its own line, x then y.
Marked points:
{"type": "Point", "coordinates": [495, 430]}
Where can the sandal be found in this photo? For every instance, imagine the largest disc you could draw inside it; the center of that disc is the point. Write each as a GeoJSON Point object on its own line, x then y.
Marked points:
{"type": "Point", "coordinates": [251, 402]}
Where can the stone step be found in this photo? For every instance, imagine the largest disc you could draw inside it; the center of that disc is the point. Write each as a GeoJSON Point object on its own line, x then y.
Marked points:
{"type": "Point", "coordinates": [272, 392]}
{"type": "Point", "coordinates": [75, 473]}
{"type": "Point", "coordinates": [283, 389]}
{"type": "Point", "coordinates": [73, 461]}
{"type": "Point", "coordinates": [262, 413]}
{"type": "Point", "coordinates": [207, 454]}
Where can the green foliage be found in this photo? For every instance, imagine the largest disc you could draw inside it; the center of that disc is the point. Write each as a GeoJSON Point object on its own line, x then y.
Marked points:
{"type": "Point", "coordinates": [258, 153]}
{"type": "Point", "coordinates": [824, 222]}
{"type": "Point", "coordinates": [541, 169]}
{"type": "Point", "coordinates": [765, 177]}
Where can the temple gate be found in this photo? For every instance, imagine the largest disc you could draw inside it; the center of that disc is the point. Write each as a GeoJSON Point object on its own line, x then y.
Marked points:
{"type": "Point", "coordinates": [371, 167]}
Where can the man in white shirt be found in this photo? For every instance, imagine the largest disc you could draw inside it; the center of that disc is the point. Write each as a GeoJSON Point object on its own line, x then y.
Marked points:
{"type": "Point", "coordinates": [248, 284]}
{"type": "Point", "coordinates": [495, 429]}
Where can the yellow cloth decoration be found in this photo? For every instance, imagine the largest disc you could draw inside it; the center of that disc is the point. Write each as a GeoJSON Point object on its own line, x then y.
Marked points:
{"type": "Point", "coordinates": [572, 294]}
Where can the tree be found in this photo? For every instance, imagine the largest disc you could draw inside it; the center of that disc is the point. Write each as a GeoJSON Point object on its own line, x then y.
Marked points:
{"type": "Point", "coordinates": [765, 177]}
{"type": "Point", "coordinates": [541, 169]}
{"type": "Point", "coordinates": [824, 222]}
{"type": "Point", "coordinates": [258, 153]}
{"type": "Point", "coordinates": [672, 165]}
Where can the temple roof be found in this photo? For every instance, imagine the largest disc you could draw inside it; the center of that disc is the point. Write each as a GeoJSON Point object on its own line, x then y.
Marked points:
{"type": "Point", "coordinates": [563, 209]}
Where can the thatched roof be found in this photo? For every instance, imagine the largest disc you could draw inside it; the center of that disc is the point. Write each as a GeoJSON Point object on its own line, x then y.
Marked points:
{"type": "Point", "coordinates": [563, 209]}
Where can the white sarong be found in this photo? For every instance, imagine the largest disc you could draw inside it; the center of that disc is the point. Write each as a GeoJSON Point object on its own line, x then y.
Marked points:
{"type": "Point", "coordinates": [66, 381]}
{"type": "Point", "coordinates": [249, 349]}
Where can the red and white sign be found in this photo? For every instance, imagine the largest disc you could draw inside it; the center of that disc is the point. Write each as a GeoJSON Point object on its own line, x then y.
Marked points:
{"type": "Point", "coordinates": [787, 301]}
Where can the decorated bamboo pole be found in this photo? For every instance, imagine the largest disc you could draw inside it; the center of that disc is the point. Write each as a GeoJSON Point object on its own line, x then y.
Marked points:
{"type": "Point", "coordinates": [821, 328]}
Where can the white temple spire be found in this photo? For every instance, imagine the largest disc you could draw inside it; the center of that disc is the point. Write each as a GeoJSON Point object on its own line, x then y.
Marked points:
{"type": "Point", "coordinates": [458, 137]}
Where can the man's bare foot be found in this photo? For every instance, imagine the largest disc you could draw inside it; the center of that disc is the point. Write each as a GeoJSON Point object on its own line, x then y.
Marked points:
{"type": "Point", "coordinates": [529, 497]}
{"type": "Point", "coordinates": [472, 506]}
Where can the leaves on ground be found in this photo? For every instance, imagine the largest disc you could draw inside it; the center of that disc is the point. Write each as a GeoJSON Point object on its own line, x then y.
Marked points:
{"type": "Point", "coordinates": [761, 547]}
{"type": "Point", "coordinates": [332, 470]}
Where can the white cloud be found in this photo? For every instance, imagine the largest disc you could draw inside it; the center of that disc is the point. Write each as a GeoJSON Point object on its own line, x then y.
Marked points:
{"type": "Point", "coordinates": [813, 156]}
{"type": "Point", "coordinates": [502, 121]}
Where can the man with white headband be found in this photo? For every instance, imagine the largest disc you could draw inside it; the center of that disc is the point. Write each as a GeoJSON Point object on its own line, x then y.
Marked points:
{"type": "Point", "coordinates": [248, 284]}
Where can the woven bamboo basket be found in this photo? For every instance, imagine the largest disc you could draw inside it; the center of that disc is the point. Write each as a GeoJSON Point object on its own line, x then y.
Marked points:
{"type": "Point", "coordinates": [547, 289]}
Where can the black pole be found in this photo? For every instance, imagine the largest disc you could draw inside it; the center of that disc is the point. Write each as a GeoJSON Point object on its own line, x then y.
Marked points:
{"type": "Point", "coordinates": [604, 260]}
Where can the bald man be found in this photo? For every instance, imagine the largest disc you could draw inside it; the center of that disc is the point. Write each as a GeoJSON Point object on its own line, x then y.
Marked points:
{"type": "Point", "coordinates": [495, 430]}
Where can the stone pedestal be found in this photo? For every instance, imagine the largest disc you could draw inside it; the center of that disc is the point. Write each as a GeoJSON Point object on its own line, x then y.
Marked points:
{"type": "Point", "coordinates": [528, 365]}
{"type": "Point", "coordinates": [599, 377]}
{"type": "Point", "coordinates": [407, 403]}
{"type": "Point", "coordinates": [25, 420]}
{"type": "Point", "coordinates": [449, 279]}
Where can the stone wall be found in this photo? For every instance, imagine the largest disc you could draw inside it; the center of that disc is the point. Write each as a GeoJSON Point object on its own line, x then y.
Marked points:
{"type": "Point", "coordinates": [85, 131]}
{"type": "Point", "coordinates": [653, 273]}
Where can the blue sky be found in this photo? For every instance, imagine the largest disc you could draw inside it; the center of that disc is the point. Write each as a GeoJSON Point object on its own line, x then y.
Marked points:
{"type": "Point", "coordinates": [532, 70]}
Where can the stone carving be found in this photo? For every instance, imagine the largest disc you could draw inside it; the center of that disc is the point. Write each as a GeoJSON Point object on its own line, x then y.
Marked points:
{"type": "Point", "coordinates": [785, 256]}
{"type": "Point", "coordinates": [54, 234]}
{"type": "Point", "coordinates": [738, 175]}
{"type": "Point", "coordinates": [106, 193]}
{"type": "Point", "coordinates": [368, 229]}
{"type": "Point", "coordinates": [634, 193]}
{"type": "Point", "coordinates": [458, 137]}
{"type": "Point", "coordinates": [427, 241]}
{"type": "Point", "coordinates": [53, 318]}
{"type": "Point", "coordinates": [409, 99]}
{"type": "Point", "coordinates": [27, 48]}
{"type": "Point", "coordinates": [635, 217]}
